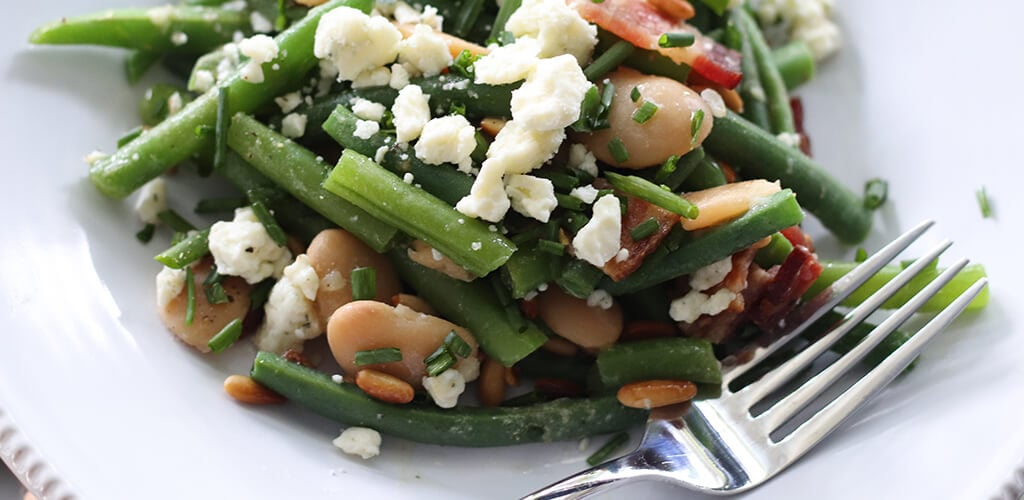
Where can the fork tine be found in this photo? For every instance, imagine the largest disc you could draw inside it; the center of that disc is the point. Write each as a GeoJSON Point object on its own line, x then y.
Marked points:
{"type": "Point", "coordinates": [799, 398]}
{"type": "Point", "coordinates": [813, 309]}
{"type": "Point", "coordinates": [779, 376]}
{"type": "Point", "coordinates": [825, 421]}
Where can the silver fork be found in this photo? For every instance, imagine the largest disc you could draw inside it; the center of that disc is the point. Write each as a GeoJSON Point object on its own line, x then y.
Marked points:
{"type": "Point", "coordinates": [719, 447]}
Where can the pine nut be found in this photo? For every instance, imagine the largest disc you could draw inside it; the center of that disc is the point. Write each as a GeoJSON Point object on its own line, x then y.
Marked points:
{"type": "Point", "coordinates": [649, 394]}
{"type": "Point", "coordinates": [387, 388]}
{"type": "Point", "coordinates": [492, 383]}
{"type": "Point", "coordinates": [246, 390]}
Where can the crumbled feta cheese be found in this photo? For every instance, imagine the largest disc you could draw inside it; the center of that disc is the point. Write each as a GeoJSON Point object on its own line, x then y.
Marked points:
{"type": "Point", "coordinates": [531, 196]}
{"type": "Point", "coordinates": [449, 139]}
{"type": "Point", "coordinates": [202, 81]}
{"type": "Point", "coordinates": [580, 158]}
{"type": "Point", "coordinates": [169, 284]}
{"type": "Point", "coordinates": [715, 102]}
{"type": "Point", "coordinates": [557, 26]}
{"type": "Point", "coordinates": [260, 49]}
{"type": "Point", "coordinates": [243, 248]}
{"type": "Point", "coordinates": [587, 194]}
{"type": "Point", "coordinates": [178, 39]}
{"type": "Point", "coordinates": [790, 139]}
{"type": "Point", "coordinates": [289, 317]}
{"type": "Point", "coordinates": [551, 96]}
{"type": "Point", "coordinates": [226, 66]}
{"type": "Point", "coordinates": [367, 109]}
{"type": "Point", "coordinates": [691, 306]}
{"type": "Point", "coordinates": [337, 378]}
{"type": "Point", "coordinates": [445, 388]}
{"type": "Point", "coordinates": [289, 102]}
{"type": "Point", "coordinates": [486, 199]}
{"type": "Point", "coordinates": [293, 125]}
{"type": "Point", "coordinates": [360, 441]}
{"type": "Point", "coordinates": [355, 42]}
{"type": "Point", "coordinates": [507, 64]}
{"type": "Point", "coordinates": [598, 241]}
{"type": "Point", "coordinates": [365, 129]}
{"type": "Point", "coordinates": [469, 368]}
{"type": "Point", "coordinates": [378, 156]}
{"type": "Point", "coordinates": [152, 199]}
{"type": "Point", "coordinates": [405, 13]}
{"type": "Point", "coordinates": [411, 111]}
{"type": "Point", "coordinates": [303, 276]}
{"type": "Point", "coordinates": [259, 23]}
{"type": "Point", "coordinates": [808, 20]}
{"type": "Point", "coordinates": [424, 52]}
{"type": "Point", "coordinates": [600, 298]}
{"type": "Point", "coordinates": [431, 18]}
{"type": "Point", "coordinates": [372, 78]}
{"type": "Point", "coordinates": [518, 149]}
{"type": "Point", "coordinates": [622, 256]}
{"type": "Point", "coordinates": [710, 275]}
{"type": "Point", "coordinates": [399, 77]}
{"type": "Point", "coordinates": [408, 178]}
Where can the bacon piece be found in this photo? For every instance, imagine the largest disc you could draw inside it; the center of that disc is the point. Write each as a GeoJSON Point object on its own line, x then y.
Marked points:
{"type": "Point", "coordinates": [638, 211]}
{"type": "Point", "coordinates": [641, 23]}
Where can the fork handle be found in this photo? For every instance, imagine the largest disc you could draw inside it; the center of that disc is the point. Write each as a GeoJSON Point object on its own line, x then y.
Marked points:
{"type": "Point", "coordinates": [598, 479]}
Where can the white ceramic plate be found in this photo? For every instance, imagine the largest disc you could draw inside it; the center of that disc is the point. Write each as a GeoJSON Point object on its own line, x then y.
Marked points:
{"type": "Point", "coordinates": [98, 401]}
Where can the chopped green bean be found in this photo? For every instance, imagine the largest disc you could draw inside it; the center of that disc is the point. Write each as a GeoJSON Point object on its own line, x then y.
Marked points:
{"type": "Point", "coordinates": [608, 60]}
{"type": "Point", "coordinates": [364, 283]}
{"type": "Point", "coordinates": [375, 356]}
{"type": "Point", "coordinates": [833, 270]}
{"type": "Point", "coordinates": [679, 358]}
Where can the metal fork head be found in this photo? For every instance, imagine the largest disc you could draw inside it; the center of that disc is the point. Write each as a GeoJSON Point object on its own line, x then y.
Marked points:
{"type": "Point", "coordinates": [720, 447]}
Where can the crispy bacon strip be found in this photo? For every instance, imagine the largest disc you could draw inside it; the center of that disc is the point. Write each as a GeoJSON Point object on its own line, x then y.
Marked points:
{"type": "Point", "coordinates": [638, 211]}
{"type": "Point", "coordinates": [641, 23]}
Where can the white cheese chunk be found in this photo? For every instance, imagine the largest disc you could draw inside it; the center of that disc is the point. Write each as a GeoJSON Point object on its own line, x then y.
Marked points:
{"type": "Point", "coordinates": [151, 200]}
{"type": "Point", "coordinates": [399, 77]}
{"type": "Point", "coordinates": [303, 276]}
{"type": "Point", "coordinates": [375, 77]}
{"type": "Point", "coordinates": [600, 298]}
{"type": "Point", "coordinates": [449, 139]}
{"type": "Point", "coordinates": [587, 194]}
{"type": "Point", "coordinates": [169, 284]}
{"type": "Point", "coordinates": [355, 42]}
{"type": "Point", "coordinates": [486, 199]}
{"type": "Point", "coordinates": [558, 28]}
{"type": "Point", "coordinates": [531, 196]}
{"type": "Point", "coordinates": [202, 81]}
{"type": "Point", "coordinates": [710, 275]}
{"type": "Point", "coordinates": [259, 23]}
{"type": "Point", "coordinates": [259, 49]}
{"type": "Point", "coordinates": [289, 101]}
{"type": "Point", "coordinates": [445, 388]}
{"type": "Point", "coordinates": [691, 306]}
{"type": "Point", "coordinates": [412, 111]}
{"type": "Point", "coordinates": [359, 441]}
{"type": "Point", "coordinates": [424, 52]}
{"type": "Point", "coordinates": [580, 158]}
{"type": "Point", "coordinates": [507, 64]}
{"type": "Point", "coordinates": [366, 129]}
{"type": "Point", "coordinates": [550, 97]}
{"type": "Point", "coordinates": [598, 241]}
{"type": "Point", "coordinates": [367, 109]}
{"type": "Point", "coordinates": [243, 248]}
{"type": "Point", "coordinates": [518, 149]}
{"type": "Point", "coordinates": [290, 318]}
{"type": "Point", "coordinates": [293, 125]}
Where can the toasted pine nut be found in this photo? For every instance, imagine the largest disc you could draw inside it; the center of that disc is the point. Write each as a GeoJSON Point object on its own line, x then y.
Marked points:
{"type": "Point", "coordinates": [649, 394]}
{"type": "Point", "coordinates": [387, 388]}
{"type": "Point", "coordinates": [680, 10]}
{"type": "Point", "coordinates": [413, 302]}
{"type": "Point", "coordinates": [511, 376]}
{"type": "Point", "coordinates": [560, 346]}
{"type": "Point", "coordinates": [642, 330]}
{"type": "Point", "coordinates": [492, 383]}
{"type": "Point", "coordinates": [246, 390]}
{"type": "Point", "coordinates": [491, 126]}
{"type": "Point", "coordinates": [296, 357]}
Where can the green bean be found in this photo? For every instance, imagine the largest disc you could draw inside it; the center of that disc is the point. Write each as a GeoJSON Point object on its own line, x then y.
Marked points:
{"type": "Point", "coordinates": [562, 419]}
{"type": "Point", "coordinates": [504, 12]}
{"type": "Point", "coordinates": [528, 269]}
{"type": "Point", "coordinates": [209, 63]}
{"type": "Point", "coordinates": [466, 18]}
{"type": "Point", "coordinates": [706, 174]}
{"type": "Point", "coordinates": [646, 61]}
{"type": "Point", "coordinates": [175, 140]}
{"type": "Point", "coordinates": [757, 154]}
{"type": "Point", "coordinates": [465, 240]}
{"type": "Point", "coordinates": [700, 249]}
{"type": "Point", "coordinates": [442, 181]}
{"type": "Point", "coordinates": [845, 344]}
{"type": "Point", "coordinates": [775, 252]}
{"type": "Point", "coordinates": [755, 108]}
{"type": "Point", "coordinates": [579, 278]}
{"type": "Point", "coordinates": [677, 358]}
{"type": "Point", "coordinates": [187, 251]}
{"type": "Point", "coordinates": [138, 62]}
{"type": "Point", "coordinates": [609, 60]}
{"type": "Point", "coordinates": [795, 62]}
{"type": "Point", "coordinates": [833, 270]}
{"type": "Point", "coordinates": [780, 114]}
{"type": "Point", "coordinates": [653, 194]}
{"type": "Point", "coordinates": [163, 29]}
{"type": "Point", "coordinates": [267, 151]}
{"type": "Point", "coordinates": [502, 332]}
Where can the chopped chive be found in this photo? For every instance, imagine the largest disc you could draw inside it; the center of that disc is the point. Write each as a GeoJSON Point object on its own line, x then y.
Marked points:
{"type": "Point", "coordinates": [569, 202]}
{"type": "Point", "coordinates": [861, 256]}
{"type": "Point", "coordinates": [608, 60]}
{"type": "Point", "coordinates": [669, 40]}
{"type": "Point", "coordinates": [364, 283]}
{"type": "Point", "coordinates": [175, 221]}
{"type": "Point", "coordinates": [375, 356]}
{"type": "Point", "coordinates": [260, 293]}
{"type": "Point", "coordinates": [667, 168]}
{"type": "Point", "coordinates": [605, 452]}
{"type": "Point", "coordinates": [634, 94]}
{"type": "Point", "coordinates": [607, 94]}
{"type": "Point", "coordinates": [179, 237]}
{"type": "Point", "coordinates": [876, 191]}
{"type": "Point", "coordinates": [644, 229]}
{"type": "Point", "coordinates": [221, 129]}
{"type": "Point", "coordinates": [213, 289]}
{"type": "Point", "coordinates": [695, 123]}
{"type": "Point", "coordinates": [282, 20]}
{"type": "Point", "coordinates": [645, 112]}
{"type": "Point", "coordinates": [220, 205]}
{"type": "Point", "coordinates": [653, 193]}
{"type": "Point", "coordinates": [618, 150]}
{"type": "Point", "coordinates": [551, 247]}
{"type": "Point", "coordinates": [983, 203]}
{"type": "Point", "coordinates": [463, 65]}
{"type": "Point", "coordinates": [267, 219]}
{"type": "Point", "coordinates": [505, 11]}
{"type": "Point", "coordinates": [439, 361]}
{"type": "Point", "coordinates": [130, 136]}
{"type": "Point", "coordinates": [146, 233]}
{"type": "Point", "coordinates": [190, 297]}
{"type": "Point", "coordinates": [456, 345]}
{"type": "Point", "coordinates": [227, 336]}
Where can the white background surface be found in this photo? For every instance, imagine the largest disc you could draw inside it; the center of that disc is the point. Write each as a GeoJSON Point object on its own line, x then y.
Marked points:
{"type": "Point", "coordinates": [101, 402]}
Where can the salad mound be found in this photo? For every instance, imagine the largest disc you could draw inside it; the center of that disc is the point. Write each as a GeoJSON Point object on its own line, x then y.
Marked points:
{"type": "Point", "coordinates": [575, 208]}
